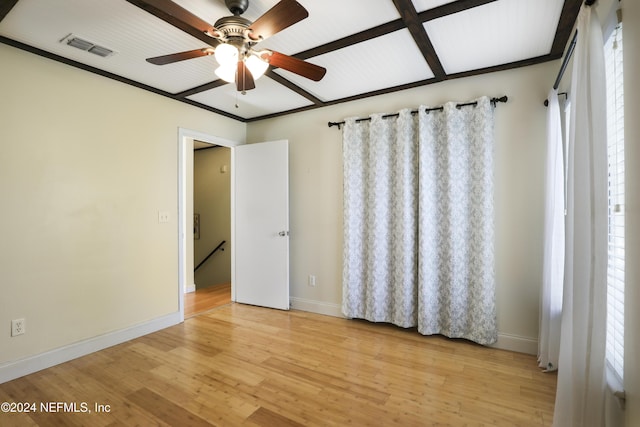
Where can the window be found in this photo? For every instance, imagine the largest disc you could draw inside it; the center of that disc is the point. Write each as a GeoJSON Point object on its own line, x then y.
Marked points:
{"type": "Point", "coordinates": [615, 153]}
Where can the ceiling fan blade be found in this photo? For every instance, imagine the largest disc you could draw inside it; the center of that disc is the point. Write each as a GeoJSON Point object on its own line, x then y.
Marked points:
{"type": "Point", "coordinates": [295, 65]}
{"type": "Point", "coordinates": [282, 15]}
{"type": "Point", "coordinates": [244, 78]}
{"type": "Point", "coordinates": [181, 56]}
{"type": "Point", "coordinates": [177, 16]}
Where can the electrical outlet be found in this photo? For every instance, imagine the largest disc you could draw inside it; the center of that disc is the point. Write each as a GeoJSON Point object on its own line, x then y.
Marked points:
{"type": "Point", "coordinates": [312, 280]}
{"type": "Point", "coordinates": [18, 327]}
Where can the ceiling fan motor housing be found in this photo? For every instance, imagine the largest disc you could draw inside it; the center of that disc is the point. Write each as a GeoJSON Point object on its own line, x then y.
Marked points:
{"type": "Point", "coordinates": [237, 7]}
{"type": "Point", "coordinates": [234, 30]}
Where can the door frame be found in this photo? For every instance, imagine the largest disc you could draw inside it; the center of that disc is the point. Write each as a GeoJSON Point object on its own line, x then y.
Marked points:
{"type": "Point", "coordinates": [186, 137]}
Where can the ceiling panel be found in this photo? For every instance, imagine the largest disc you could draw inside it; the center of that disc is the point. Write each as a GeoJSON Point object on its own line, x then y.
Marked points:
{"type": "Point", "coordinates": [330, 20]}
{"type": "Point", "coordinates": [422, 5]}
{"type": "Point", "coordinates": [268, 97]}
{"type": "Point", "coordinates": [383, 62]}
{"type": "Point", "coordinates": [500, 32]}
{"type": "Point", "coordinates": [133, 34]}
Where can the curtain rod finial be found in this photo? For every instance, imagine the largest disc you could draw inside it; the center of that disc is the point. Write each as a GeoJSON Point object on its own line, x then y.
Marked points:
{"type": "Point", "coordinates": [494, 101]}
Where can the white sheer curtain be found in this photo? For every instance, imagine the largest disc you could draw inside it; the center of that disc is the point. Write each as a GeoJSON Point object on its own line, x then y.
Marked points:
{"type": "Point", "coordinates": [418, 221]}
{"type": "Point", "coordinates": [553, 261]}
{"type": "Point", "coordinates": [581, 378]}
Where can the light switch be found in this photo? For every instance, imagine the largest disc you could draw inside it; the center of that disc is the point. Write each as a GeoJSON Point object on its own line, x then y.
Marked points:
{"type": "Point", "coordinates": [163, 216]}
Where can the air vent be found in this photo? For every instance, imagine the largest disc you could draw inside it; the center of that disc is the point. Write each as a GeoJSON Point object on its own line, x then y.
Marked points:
{"type": "Point", "coordinates": [87, 46]}
{"type": "Point", "coordinates": [79, 43]}
{"type": "Point", "coordinates": [101, 51]}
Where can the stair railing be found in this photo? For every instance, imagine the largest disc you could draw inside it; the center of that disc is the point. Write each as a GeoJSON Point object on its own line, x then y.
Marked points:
{"type": "Point", "coordinates": [218, 248]}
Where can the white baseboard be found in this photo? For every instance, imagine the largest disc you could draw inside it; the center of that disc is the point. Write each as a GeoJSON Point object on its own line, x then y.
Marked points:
{"type": "Point", "coordinates": [29, 365]}
{"type": "Point", "coordinates": [16, 369]}
{"type": "Point", "coordinates": [517, 343]}
{"type": "Point", "coordinates": [319, 307]}
{"type": "Point", "coordinates": [190, 288]}
{"type": "Point", "coordinates": [505, 341]}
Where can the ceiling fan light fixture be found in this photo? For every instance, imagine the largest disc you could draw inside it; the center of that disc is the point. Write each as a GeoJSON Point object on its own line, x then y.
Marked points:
{"type": "Point", "coordinates": [227, 72]}
{"type": "Point", "coordinates": [257, 66]}
{"type": "Point", "coordinates": [226, 55]}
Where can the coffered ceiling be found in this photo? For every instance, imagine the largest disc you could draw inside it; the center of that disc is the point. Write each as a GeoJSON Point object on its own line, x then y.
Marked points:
{"type": "Point", "coordinates": [368, 47]}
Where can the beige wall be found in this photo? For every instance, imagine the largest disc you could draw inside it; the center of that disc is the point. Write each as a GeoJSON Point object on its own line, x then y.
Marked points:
{"type": "Point", "coordinates": [316, 188]}
{"type": "Point", "coordinates": [212, 200]}
{"type": "Point", "coordinates": [86, 163]}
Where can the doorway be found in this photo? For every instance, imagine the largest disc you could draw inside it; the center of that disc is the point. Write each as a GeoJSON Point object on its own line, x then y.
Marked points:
{"type": "Point", "coordinates": [186, 141]}
{"type": "Point", "coordinates": [212, 228]}
{"type": "Point", "coordinates": [259, 209]}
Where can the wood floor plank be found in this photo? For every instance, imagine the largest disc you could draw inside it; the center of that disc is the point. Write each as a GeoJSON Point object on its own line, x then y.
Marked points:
{"type": "Point", "coordinates": [201, 394]}
{"type": "Point", "coordinates": [265, 417]}
{"type": "Point", "coordinates": [165, 410]}
{"type": "Point", "coordinates": [244, 365]}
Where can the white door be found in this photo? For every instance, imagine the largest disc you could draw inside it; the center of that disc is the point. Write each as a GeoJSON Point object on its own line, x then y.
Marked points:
{"type": "Point", "coordinates": [261, 224]}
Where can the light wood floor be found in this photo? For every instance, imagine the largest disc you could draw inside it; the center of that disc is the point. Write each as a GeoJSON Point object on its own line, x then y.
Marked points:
{"type": "Point", "coordinates": [244, 365]}
{"type": "Point", "coordinates": [205, 299]}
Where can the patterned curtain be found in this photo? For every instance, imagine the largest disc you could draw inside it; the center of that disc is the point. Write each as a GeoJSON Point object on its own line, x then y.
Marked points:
{"type": "Point", "coordinates": [418, 221]}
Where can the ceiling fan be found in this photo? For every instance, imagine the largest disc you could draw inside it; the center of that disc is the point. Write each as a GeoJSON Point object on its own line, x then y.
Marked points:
{"type": "Point", "coordinates": [234, 38]}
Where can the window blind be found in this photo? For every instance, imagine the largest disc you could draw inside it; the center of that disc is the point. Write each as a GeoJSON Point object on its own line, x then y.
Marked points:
{"type": "Point", "coordinates": [616, 245]}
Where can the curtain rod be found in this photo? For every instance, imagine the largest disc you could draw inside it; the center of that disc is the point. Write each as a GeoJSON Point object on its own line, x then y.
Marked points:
{"type": "Point", "coordinates": [567, 56]}
{"type": "Point", "coordinates": [494, 101]}
{"type": "Point", "coordinates": [565, 60]}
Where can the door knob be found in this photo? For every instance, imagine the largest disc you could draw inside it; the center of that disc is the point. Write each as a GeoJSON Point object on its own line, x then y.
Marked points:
{"type": "Point", "coordinates": [283, 233]}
